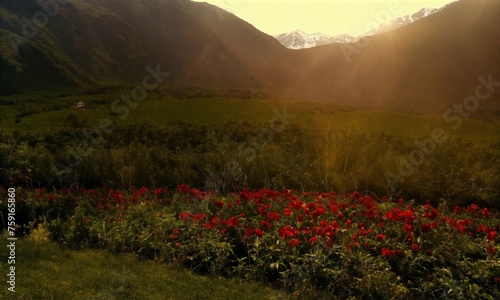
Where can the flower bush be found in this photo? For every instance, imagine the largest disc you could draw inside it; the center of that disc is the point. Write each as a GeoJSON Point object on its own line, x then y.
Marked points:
{"type": "Point", "coordinates": [322, 244]}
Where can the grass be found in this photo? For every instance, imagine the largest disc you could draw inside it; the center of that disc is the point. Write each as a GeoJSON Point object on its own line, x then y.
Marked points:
{"type": "Point", "coordinates": [161, 110]}
{"type": "Point", "coordinates": [49, 271]}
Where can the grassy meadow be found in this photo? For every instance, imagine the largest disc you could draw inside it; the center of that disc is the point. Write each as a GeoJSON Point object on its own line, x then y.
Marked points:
{"type": "Point", "coordinates": [52, 111]}
{"type": "Point", "coordinates": [50, 271]}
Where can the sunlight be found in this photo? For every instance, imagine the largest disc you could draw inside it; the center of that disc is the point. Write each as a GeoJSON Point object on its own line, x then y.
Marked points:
{"type": "Point", "coordinates": [326, 16]}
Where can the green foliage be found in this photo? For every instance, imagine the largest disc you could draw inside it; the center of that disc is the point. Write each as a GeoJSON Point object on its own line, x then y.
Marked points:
{"type": "Point", "coordinates": [231, 156]}
{"type": "Point", "coordinates": [362, 247]}
{"type": "Point", "coordinates": [51, 271]}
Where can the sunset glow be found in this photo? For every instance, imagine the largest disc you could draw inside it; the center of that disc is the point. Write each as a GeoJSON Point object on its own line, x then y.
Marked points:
{"type": "Point", "coordinates": [327, 16]}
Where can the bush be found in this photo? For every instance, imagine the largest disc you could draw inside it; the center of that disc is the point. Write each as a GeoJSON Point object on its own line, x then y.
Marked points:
{"type": "Point", "coordinates": [310, 244]}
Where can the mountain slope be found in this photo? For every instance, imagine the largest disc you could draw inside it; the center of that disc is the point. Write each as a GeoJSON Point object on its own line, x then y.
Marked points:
{"type": "Point", "coordinates": [405, 20]}
{"type": "Point", "coordinates": [91, 42]}
{"type": "Point", "coordinates": [424, 67]}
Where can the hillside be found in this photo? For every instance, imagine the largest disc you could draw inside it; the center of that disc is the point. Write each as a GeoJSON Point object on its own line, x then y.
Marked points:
{"type": "Point", "coordinates": [95, 42]}
{"type": "Point", "coordinates": [423, 67]}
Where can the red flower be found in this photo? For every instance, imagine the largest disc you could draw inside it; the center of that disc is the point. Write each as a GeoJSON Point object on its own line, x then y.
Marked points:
{"type": "Point", "coordinates": [219, 204]}
{"type": "Point", "coordinates": [492, 235]}
{"type": "Point", "coordinates": [348, 224]}
{"type": "Point", "coordinates": [483, 228]}
{"type": "Point", "coordinates": [435, 224]}
{"type": "Point", "coordinates": [265, 224]}
{"type": "Point", "coordinates": [297, 204]}
{"type": "Point", "coordinates": [248, 232]}
{"type": "Point", "coordinates": [274, 216]}
{"type": "Point", "coordinates": [387, 253]}
{"type": "Point", "coordinates": [233, 222]}
{"type": "Point", "coordinates": [491, 250]}
{"type": "Point", "coordinates": [294, 243]}
{"type": "Point", "coordinates": [318, 212]}
{"type": "Point", "coordinates": [473, 207]}
{"type": "Point", "coordinates": [408, 228]}
{"type": "Point", "coordinates": [497, 280]}
{"type": "Point", "coordinates": [415, 247]}
{"type": "Point", "coordinates": [287, 231]}
{"type": "Point", "coordinates": [335, 225]}
{"type": "Point", "coordinates": [313, 240]}
{"type": "Point", "coordinates": [287, 212]}
{"type": "Point", "coordinates": [323, 224]}
{"type": "Point", "coordinates": [381, 237]}
{"type": "Point", "coordinates": [258, 232]}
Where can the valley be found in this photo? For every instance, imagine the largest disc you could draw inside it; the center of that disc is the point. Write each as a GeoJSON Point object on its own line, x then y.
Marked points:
{"type": "Point", "coordinates": [171, 134]}
{"type": "Point", "coordinates": [52, 111]}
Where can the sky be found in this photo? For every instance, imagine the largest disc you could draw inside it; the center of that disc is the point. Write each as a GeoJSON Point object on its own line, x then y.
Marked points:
{"type": "Point", "coordinates": [332, 17]}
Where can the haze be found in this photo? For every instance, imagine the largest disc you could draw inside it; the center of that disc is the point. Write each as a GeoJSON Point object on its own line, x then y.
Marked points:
{"type": "Point", "coordinates": [327, 16]}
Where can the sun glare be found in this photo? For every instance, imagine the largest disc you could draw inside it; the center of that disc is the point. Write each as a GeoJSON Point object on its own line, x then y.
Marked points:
{"type": "Point", "coordinates": [332, 17]}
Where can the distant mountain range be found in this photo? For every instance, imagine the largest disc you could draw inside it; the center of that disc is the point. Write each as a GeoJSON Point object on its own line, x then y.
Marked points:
{"type": "Point", "coordinates": [298, 39]}
{"type": "Point", "coordinates": [426, 66]}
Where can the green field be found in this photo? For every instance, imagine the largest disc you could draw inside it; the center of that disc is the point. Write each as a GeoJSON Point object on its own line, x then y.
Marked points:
{"type": "Point", "coordinates": [50, 271]}
{"type": "Point", "coordinates": [161, 110]}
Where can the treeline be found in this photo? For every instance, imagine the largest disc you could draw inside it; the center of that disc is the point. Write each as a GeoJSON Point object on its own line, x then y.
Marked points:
{"type": "Point", "coordinates": [233, 156]}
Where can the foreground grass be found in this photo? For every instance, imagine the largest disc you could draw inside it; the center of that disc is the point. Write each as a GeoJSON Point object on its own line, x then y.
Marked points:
{"type": "Point", "coordinates": [49, 271]}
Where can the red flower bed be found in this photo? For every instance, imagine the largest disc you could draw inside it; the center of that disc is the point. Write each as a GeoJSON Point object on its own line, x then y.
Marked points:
{"type": "Point", "coordinates": [327, 240]}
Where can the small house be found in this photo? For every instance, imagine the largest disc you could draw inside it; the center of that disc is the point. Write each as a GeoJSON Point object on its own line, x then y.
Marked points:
{"type": "Point", "coordinates": [80, 105]}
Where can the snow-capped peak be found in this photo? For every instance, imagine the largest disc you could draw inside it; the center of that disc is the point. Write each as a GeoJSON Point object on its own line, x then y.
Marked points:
{"type": "Point", "coordinates": [298, 39]}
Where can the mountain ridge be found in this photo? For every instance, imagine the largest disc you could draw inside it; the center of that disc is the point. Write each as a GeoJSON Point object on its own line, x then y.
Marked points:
{"type": "Point", "coordinates": [412, 68]}
{"type": "Point", "coordinates": [298, 39]}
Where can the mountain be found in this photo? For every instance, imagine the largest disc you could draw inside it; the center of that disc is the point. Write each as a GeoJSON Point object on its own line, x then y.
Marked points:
{"type": "Point", "coordinates": [403, 21]}
{"type": "Point", "coordinates": [91, 42]}
{"type": "Point", "coordinates": [427, 66]}
{"type": "Point", "coordinates": [300, 40]}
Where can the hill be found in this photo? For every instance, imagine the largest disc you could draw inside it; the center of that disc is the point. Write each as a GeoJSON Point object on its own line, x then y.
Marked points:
{"type": "Point", "coordinates": [426, 66]}
{"type": "Point", "coordinates": [423, 67]}
{"type": "Point", "coordinates": [95, 42]}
